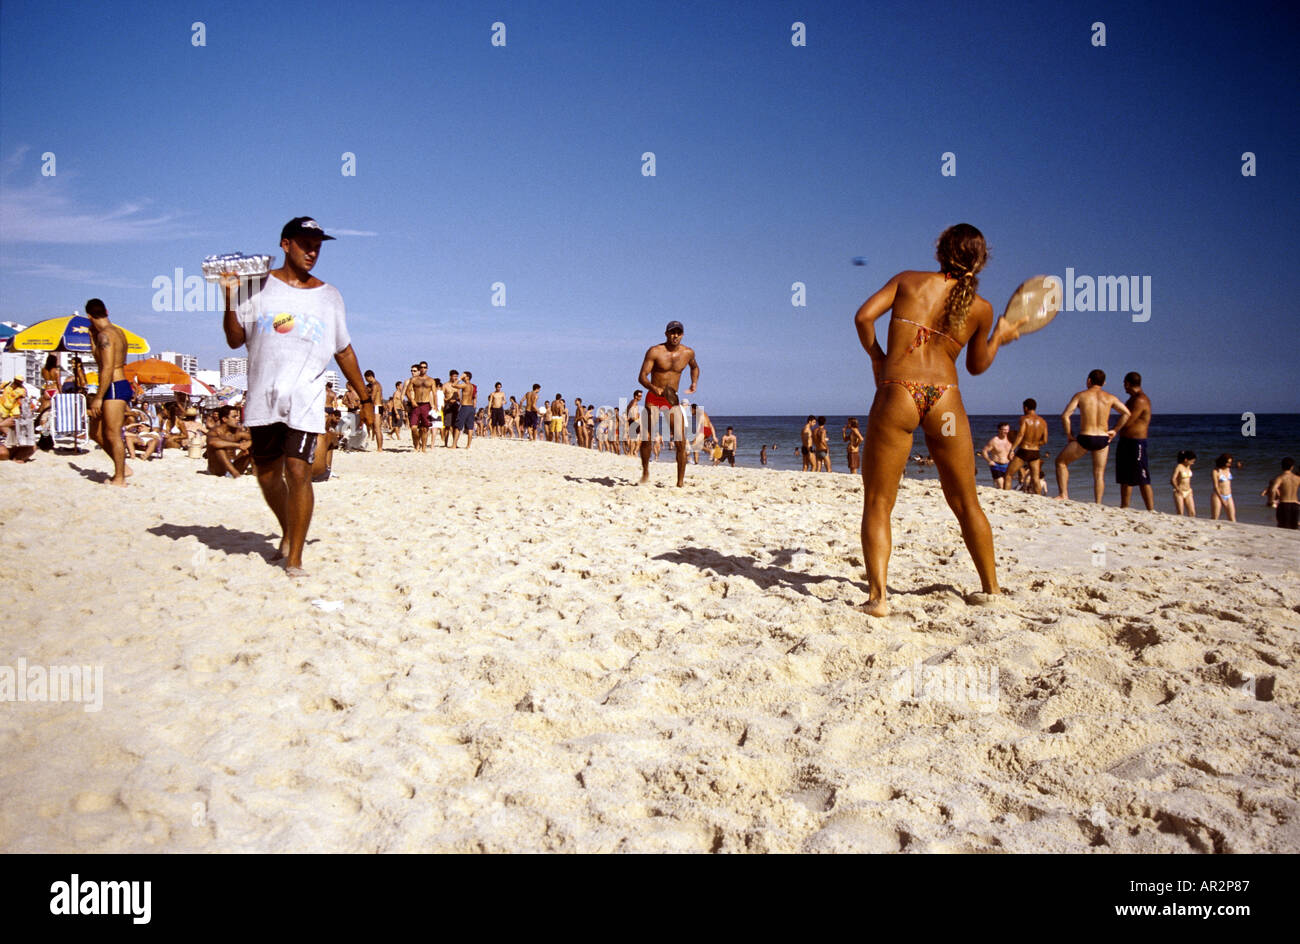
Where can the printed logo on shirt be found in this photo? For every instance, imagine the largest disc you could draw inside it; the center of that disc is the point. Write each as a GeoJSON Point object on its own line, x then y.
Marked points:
{"type": "Point", "coordinates": [301, 326]}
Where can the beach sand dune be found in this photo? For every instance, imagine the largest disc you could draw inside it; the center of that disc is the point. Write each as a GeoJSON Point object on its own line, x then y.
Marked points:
{"type": "Point", "coordinates": [516, 649]}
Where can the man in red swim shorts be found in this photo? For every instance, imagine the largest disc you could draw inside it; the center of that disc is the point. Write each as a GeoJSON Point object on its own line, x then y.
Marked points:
{"type": "Point", "coordinates": [661, 373]}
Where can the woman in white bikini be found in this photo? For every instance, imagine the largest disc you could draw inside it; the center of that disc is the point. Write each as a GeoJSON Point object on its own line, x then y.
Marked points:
{"type": "Point", "coordinates": [1221, 497]}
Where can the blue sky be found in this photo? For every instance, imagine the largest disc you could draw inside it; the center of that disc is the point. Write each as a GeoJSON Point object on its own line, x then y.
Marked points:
{"type": "Point", "coordinates": [774, 164]}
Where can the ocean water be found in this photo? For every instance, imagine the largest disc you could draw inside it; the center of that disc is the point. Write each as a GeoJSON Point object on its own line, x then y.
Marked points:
{"type": "Point", "coordinates": [1276, 435]}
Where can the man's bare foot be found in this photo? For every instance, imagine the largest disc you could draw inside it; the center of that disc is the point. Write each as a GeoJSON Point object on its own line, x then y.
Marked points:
{"type": "Point", "coordinates": [295, 572]}
{"type": "Point", "coordinates": [120, 483]}
{"type": "Point", "coordinates": [644, 478]}
{"type": "Point", "coordinates": [875, 607]}
{"type": "Point", "coordinates": [984, 598]}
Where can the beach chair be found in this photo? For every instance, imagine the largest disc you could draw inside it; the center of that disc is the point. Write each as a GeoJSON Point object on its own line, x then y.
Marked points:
{"type": "Point", "coordinates": [70, 422]}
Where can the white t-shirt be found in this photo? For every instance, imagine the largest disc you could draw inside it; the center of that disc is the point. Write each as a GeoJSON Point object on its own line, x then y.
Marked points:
{"type": "Point", "coordinates": [292, 335]}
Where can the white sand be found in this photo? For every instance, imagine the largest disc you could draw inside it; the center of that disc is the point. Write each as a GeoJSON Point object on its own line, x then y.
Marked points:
{"type": "Point", "coordinates": [532, 654]}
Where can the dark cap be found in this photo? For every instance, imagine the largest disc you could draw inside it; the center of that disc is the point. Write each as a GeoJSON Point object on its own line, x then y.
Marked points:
{"type": "Point", "coordinates": [674, 326]}
{"type": "Point", "coordinates": [302, 226]}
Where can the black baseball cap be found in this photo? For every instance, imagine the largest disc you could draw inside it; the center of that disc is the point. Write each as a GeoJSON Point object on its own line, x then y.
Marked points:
{"type": "Point", "coordinates": [674, 326]}
{"type": "Point", "coordinates": [303, 226]}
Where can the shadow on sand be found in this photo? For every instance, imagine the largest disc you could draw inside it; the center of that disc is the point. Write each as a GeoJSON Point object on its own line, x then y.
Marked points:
{"type": "Point", "coordinates": [603, 480]}
{"type": "Point", "coordinates": [220, 538]}
{"type": "Point", "coordinates": [765, 576]}
{"type": "Point", "coordinates": [95, 475]}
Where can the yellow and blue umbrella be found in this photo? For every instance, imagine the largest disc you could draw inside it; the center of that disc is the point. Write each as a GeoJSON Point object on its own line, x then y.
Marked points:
{"type": "Point", "coordinates": [69, 333]}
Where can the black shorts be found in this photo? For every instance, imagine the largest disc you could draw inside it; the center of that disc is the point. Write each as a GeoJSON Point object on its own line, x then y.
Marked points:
{"type": "Point", "coordinates": [1288, 515]}
{"type": "Point", "coordinates": [449, 414]}
{"type": "Point", "coordinates": [272, 442]}
{"type": "Point", "coordinates": [1131, 462]}
{"type": "Point", "coordinates": [498, 416]}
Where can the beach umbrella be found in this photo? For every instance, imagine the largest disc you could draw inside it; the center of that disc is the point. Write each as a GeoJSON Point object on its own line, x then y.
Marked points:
{"type": "Point", "coordinates": [68, 333]}
{"type": "Point", "coordinates": [155, 392]}
{"type": "Point", "coordinates": [155, 371]}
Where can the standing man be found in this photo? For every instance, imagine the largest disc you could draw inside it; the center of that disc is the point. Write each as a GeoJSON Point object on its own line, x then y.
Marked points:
{"type": "Point", "coordinates": [376, 391]}
{"type": "Point", "coordinates": [1283, 493]}
{"type": "Point", "coordinates": [293, 324]}
{"type": "Point", "coordinates": [497, 404]}
{"type": "Point", "coordinates": [108, 407]}
{"type": "Point", "coordinates": [821, 447]}
{"type": "Point", "coordinates": [1131, 453]}
{"type": "Point", "coordinates": [530, 412]}
{"type": "Point", "coordinates": [806, 442]}
{"type": "Point", "coordinates": [450, 405]}
{"type": "Point", "coordinates": [1094, 405]}
{"type": "Point", "coordinates": [661, 373]}
{"type": "Point", "coordinates": [419, 391]}
{"type": "Point", "coordinates": [729, 443]}
{"type": "Point", "coordinates": [467, 410]}
{"type": "Point", "coordinates": [997, 453]}
{"type": "Point", "coordinates": [1027, 447]}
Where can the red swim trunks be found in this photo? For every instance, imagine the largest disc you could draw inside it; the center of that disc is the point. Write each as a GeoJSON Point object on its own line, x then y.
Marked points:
{"type": "Point", "coordinates": [653, 399]}
{"type": "Point", "coordinates": [420, 416]}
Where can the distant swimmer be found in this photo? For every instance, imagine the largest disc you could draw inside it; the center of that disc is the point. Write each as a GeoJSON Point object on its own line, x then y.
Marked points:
{"type": "Point", "coordinates": [1094, 405]}
{"type": "Point", "coordinates": [935, 315]}
{"type": "Point", "coordinates": [997, 453]}
{"type": "Point", "coordinates": [1283, 493]}
{"type": "Point", "coordinates": [1131, 452]}
{"type": "Point", "coordinates": [661, 374]}
{"type": "Point", "coordinates": [1027, 448]}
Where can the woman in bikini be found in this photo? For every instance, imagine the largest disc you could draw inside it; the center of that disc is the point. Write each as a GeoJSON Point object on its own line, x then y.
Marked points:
{"type": "Point", "coordinates": [935, 314]}
{"type": "Point", "coordinates": [1181, 480]}
{"type": "Point", "coordinates": [1221, 498]}
{"type": "Point", "coordinates": [853, 436]}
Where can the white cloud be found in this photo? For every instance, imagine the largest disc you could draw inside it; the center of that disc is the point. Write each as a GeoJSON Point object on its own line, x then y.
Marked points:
{"type": "Point", "coordinates": [53, 270]}
{"type": "Point", "coordinates": [43, 211]}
